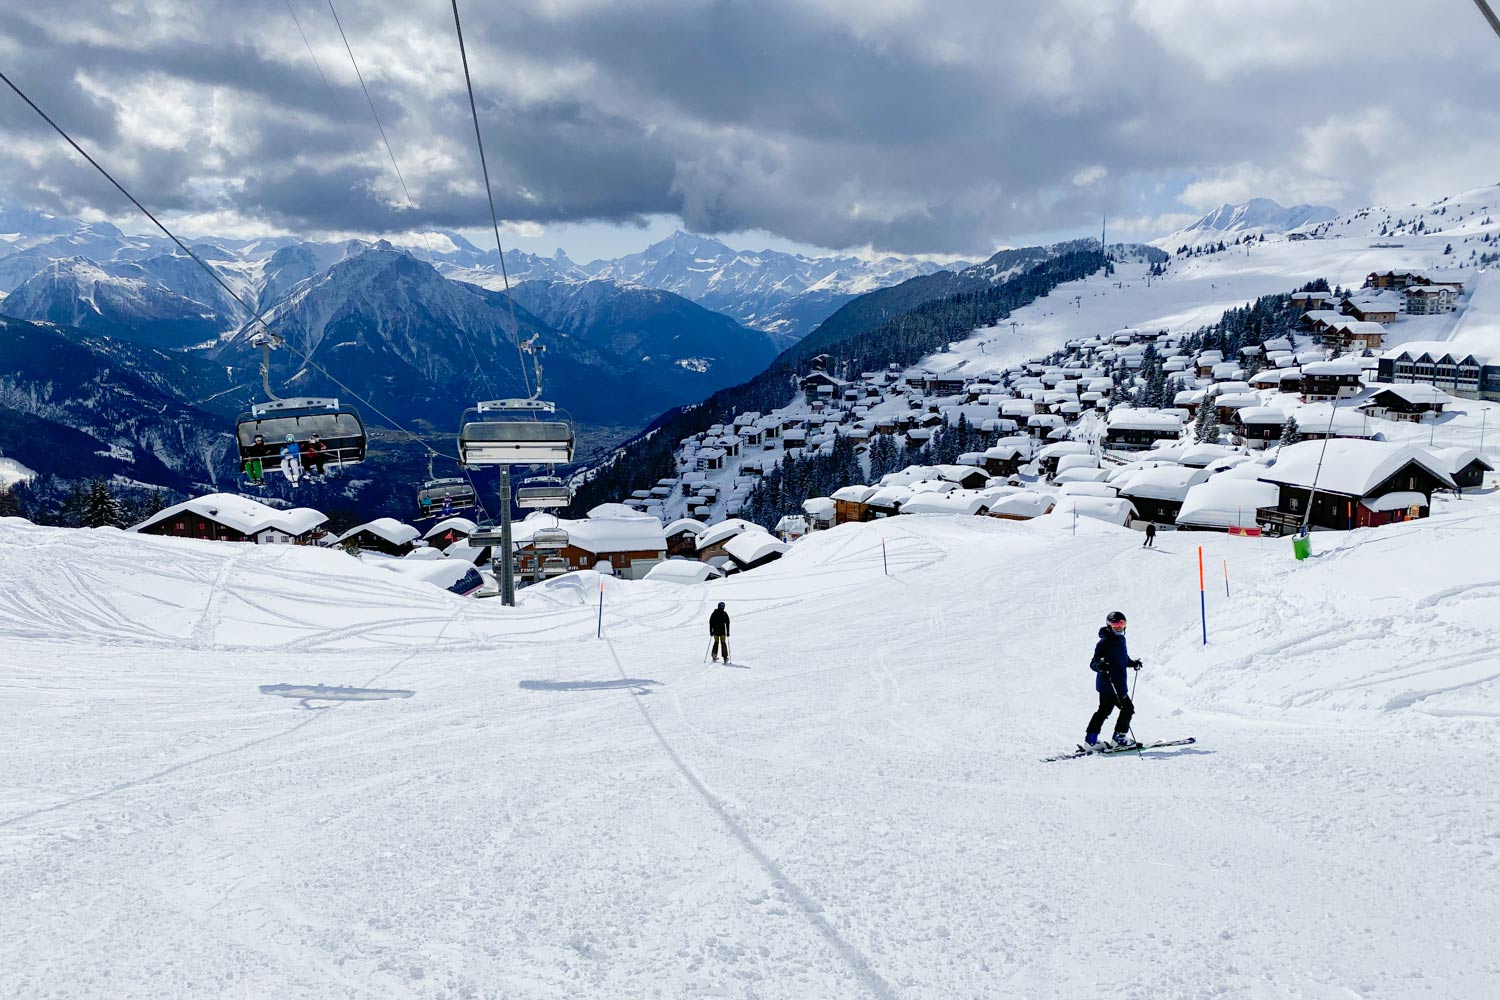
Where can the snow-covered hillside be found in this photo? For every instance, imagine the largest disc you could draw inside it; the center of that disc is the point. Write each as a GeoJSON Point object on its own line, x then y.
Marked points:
{"type": "Point", "coordinates": [1254, 217]}
{"type": "Point", "coordinates": [1197, 289]}
{"type": "Point", "coordinates": [855, 809]}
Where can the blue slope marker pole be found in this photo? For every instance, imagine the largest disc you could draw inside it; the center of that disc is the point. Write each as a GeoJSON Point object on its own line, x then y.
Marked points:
{"type": "Point", "coordinates": [601, 606]}
{"type": "Point", "coordinates": [1202, 597]}
{"type": "Point", "coordinates": [883, 560]}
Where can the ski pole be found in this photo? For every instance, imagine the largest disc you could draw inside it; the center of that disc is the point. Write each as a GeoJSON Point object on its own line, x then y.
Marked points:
{"type": "Point", "coordinates": [1129, 729]}
{"type": "Point", "coordinates": [709, 650]}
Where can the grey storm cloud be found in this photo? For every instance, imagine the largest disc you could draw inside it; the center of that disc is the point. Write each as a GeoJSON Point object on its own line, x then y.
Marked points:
{"type": "Point", "coordinates": [910, 125]}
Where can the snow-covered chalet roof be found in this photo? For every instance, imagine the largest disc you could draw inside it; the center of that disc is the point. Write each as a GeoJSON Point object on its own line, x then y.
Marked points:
{"type": "Point", "coordinates": [749, 546]}
{"type": "Point", "coordinates": [1227, 501]}
{"type": "Point", "coordinates": [1027, 503]}
{"type": "Point", "coordinates": [1350, 467]}
{"type": "Point", "coordinates": [1394, 501]}
{"type": "Point", "coordinates": [1454, 459]}
{"type": "Point", "coordinates": [682, 571]}
{"type": "Point", "coordinates": [1125, 418]}
{"type": "Point", "coordinates": [247, 516]}
{"type": "Point", "coordinates": [617, 534]}
{"type": "Point", "coordinates": [1413, 392]}
{"type": "Point", "coordinates": [462, 525]}
{"type": "Point", "coordinates": [687, 524]}
{"type": "Point", "coordinates": [1339, 366]}
{"type": "Point", "coordinates": [387, 528]}
{"type": "Point", "coordinates": [714, 534]}
{"type": "Point", "coordinates": [1165, 482]}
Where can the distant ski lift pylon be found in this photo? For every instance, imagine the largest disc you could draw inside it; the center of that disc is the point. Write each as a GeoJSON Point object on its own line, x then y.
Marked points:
{"type": "Point", "coordinates": [543, 493]}
{"type": "Point", "coordinates": [501, 434]}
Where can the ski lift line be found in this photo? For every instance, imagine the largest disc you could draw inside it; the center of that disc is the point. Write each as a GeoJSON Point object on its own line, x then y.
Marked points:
{"type": "Point", "coordinates": [401, 178]}
{"type": "Point", "coordinates": [256, 317]}
{"type": "Point", "coordinates": [478, 502]}
{"type": "Point", "coordinates": [1489, 14]}
{"type": "Point", "coordinates": [348, 129]}
{"type": "Point", "coordinates": [370, 101]}
{"type": "Point", "coordinates": [490, 196]}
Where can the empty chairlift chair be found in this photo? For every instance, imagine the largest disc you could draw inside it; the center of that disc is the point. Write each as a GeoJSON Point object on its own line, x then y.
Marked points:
{"type": "Point", "coordinates": [339, 427]}
{"type": "Point", "coordinates": [549, 540]}
{"type": "Point", "coordinates": [436, 495]}
{"type": "Point", "coordinates": [508, 432]}
{"type": "Point", "coordinates": [543, 493]}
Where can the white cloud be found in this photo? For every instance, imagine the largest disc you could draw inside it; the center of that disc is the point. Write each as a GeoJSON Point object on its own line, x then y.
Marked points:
{"type": "Point", "coordinates": [1090, 175]}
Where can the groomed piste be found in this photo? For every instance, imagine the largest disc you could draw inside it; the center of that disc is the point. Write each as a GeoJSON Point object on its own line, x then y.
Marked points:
{"type": "Point", "coordinates": [855, 808]}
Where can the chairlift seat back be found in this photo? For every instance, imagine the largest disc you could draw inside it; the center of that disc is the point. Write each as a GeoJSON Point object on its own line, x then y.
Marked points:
{"type": "Point", "coordinates": [516, 442]}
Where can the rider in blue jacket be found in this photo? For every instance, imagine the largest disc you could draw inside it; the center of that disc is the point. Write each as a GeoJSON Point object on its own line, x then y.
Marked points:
{"type": "Point", "coordinates": [1111, 661]}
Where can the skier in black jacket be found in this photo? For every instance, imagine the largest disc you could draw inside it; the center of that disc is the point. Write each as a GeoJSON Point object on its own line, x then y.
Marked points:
{"type": "Point", "coordinates": [1111, 660]}
{"type": "Point", "coordinates": [718, 627]}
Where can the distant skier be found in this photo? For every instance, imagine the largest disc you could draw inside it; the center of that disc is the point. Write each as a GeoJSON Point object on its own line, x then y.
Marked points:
{"type": "Point", "coordinates": [291, 460]}
{"type": "Point", "coordinates": [718, 627]}
{"type": "Point", "coordinates": [447, 509]}
{"type": "Point", "coordinates": [315, 456]}
{"type": "Point", "coordinates": [1150, 542]}
{"type": "Point", "coordinates": [1110, 662]}
{"type": "Point", "coordinates": [254, 464]}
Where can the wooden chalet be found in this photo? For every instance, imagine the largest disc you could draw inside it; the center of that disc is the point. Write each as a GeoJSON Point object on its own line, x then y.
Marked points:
{"type": "Point", "coordinates": [1358, 483]}
{"type": "Point", "coordinates": [226, 517]}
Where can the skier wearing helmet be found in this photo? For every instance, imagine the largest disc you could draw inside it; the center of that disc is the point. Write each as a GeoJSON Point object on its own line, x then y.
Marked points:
{"type": "Point", "coordinates": [718, 628]}
{"type": "Point", "coordinates": [291, 460]}
{"type": "Point", "coordinates": [1111, 660]}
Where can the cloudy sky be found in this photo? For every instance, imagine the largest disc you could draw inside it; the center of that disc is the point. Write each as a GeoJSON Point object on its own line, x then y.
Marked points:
{"type": "Point", "coordinates": [919, 126]}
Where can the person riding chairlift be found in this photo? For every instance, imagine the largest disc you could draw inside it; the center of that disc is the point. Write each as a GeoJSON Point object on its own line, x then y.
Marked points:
{"type": "Point", "coordinates": [315, 456]}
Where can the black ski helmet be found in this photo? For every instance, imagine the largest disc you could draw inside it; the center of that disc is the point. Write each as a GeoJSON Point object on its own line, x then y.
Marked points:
{"type": "Point", "coordinates": [1114, 616]}
{"type": "Point", "coordinates": [721, 604]}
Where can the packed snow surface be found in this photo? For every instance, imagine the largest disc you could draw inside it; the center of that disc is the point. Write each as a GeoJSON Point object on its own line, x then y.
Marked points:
{"type": "Point", "coordinates": [493, 802]}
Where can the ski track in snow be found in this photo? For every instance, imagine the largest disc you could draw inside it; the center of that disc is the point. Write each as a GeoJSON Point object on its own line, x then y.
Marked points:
{"type": "Point", "coordinates": [856, 809]}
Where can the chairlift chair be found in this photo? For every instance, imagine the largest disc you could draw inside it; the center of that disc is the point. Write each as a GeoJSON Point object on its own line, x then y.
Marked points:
{"type": "Point", "coordinates": [485, 533]}
{"type": "Point", "coordinates": [549, 540]}
{"type": "Point", "coordinates": [457, 493]}
{"type": "Point", "coordinates": [339, 427]}
{"type": "Point", "coordinates": [554, 566]}
{"type": "Point", "coordinates": [543, 493]}
{"type": "Point", "coordinates": [507, 432]}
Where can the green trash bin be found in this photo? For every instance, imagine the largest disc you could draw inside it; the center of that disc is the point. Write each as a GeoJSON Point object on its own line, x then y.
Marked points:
{"type": "Point", "coordinates": [1301, 547]}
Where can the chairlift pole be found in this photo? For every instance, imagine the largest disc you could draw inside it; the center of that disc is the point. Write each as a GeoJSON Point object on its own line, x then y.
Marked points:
{"type": "Point", "coordinates": [1313, 492]}
{"type": "Point", "coordinates": [508, 562]}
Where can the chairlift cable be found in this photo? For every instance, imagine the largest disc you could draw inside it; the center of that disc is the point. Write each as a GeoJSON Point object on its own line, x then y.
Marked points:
{"type": "Point", "coordinates": [412, 205]}
{"type": "Point", "coordinates": [332, 99]}
{"type": "Point", "coordinates": [490, 195]}
{"type": "Point", "coordinates": [368, 100]}
{"type": "Point", "coordinates": [256, 317]}
{"type": "Point", "coordinates": [1489, 14]}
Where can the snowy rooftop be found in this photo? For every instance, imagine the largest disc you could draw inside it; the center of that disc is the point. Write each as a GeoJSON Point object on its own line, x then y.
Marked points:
{"type": "Point", "coordinates": [714, 534]}
{"type": "Point", "coordinates": [1226, 501]}
{"type": "Point", "coordinates": [462, 525]}
{"type": "Point", "coordinates": [1349, 468]}
{"type": "Point", "coordinates": [1166, 482]}
{"type": "Point", "coordinates": [387, 528]}
{"type": "Point", "coordinates": [242, 514]}
{"type": "Point", "coordinates": [749, 546]}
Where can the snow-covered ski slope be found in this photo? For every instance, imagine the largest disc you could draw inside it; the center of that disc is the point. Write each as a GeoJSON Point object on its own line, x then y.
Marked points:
{"type": "Point", "coordinates": [1196, 291]}
{"type": "Point", "coordinates": [856, 808]}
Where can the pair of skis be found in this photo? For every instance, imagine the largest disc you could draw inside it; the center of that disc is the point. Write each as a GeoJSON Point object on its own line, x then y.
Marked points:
{"type": "Point", "coordinates": [1094, 751]}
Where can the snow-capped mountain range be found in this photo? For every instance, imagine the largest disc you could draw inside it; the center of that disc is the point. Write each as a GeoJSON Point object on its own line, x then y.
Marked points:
{"type": "Point", "coordinates": [783, 295]}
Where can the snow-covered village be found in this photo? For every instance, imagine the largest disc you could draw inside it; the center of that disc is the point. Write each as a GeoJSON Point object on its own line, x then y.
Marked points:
{"type": "Point", "coordinates": [1045, 569]}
